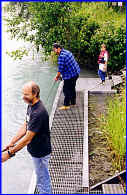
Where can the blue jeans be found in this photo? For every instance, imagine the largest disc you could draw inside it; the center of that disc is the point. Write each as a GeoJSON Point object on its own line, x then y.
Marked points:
{"type": "Point", "coordinates": [102, 75]}
{"type": "Point", "coordinates": [42, 174]}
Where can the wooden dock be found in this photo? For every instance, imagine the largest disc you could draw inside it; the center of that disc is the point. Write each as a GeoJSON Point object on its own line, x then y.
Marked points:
{"type": "Point", "coordinates": [69, 166]}
{"type": "Point", "coordinates": [112, 189]}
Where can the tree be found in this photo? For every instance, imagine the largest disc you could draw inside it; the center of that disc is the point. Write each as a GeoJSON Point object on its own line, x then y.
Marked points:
{"type": "Point", "coordinates": [80, 28]}
{"type": "Point", "coordinates": [41, 23]}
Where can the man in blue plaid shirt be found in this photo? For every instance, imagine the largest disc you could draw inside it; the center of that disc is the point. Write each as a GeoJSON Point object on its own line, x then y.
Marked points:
{"type": "Point", "coordinates": [69, 69]}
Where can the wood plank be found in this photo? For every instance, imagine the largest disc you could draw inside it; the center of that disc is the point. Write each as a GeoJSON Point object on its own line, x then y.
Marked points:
{"type": "Point", "coordinates": [112, 189]}
{"type": "Point", "coordinates": [114, 179]}
{"type": "Point", "coordinates": [85, 176]}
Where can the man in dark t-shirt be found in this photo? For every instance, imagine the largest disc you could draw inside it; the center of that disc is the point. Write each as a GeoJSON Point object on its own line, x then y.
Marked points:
{"type": "Point", "coordinates": [35, 134]}
{"type": "Point", "coordinates": [37, 120]}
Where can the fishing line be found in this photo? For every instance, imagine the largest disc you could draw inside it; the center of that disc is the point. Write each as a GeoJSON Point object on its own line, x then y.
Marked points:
{"type": "Point", "coordinates": [50, 91]}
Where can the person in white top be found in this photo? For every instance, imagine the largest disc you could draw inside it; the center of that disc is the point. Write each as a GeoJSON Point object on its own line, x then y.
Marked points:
{"type": "Point", "coordinates": [102, 61]}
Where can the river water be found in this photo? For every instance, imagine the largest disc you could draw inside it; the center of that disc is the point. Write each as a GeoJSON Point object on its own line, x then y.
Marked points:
{"type": "Point", "coordinates": [17, 172]}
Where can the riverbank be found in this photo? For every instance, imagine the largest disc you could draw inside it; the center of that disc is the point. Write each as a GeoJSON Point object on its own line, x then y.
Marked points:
{"type": "Point", "coordinates": [115, 125]}
{"type": "Point", "coordinates": [103, 155]}
{"type": "Point", "coordinates": [100, 164]}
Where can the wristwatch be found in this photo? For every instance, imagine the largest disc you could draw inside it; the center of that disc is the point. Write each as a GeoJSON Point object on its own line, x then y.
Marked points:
{"type": "Point", "coordinates": [10, 154]}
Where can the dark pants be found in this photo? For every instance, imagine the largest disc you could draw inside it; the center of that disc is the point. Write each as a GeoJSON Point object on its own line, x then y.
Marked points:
{"type": "Point", "coordinates": [69, 91]}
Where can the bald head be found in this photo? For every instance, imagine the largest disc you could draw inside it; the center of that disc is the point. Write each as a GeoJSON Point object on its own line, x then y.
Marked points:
{"type": "Point", "coordinates": [31, 92]}
{"type": "Point", "coordinates": [31, 85]}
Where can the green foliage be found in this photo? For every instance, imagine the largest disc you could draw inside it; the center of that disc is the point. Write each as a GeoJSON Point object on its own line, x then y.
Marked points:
{"type": "Point", "coordinates": [111, 30]}
{"type": "Point", "coordinates": [117, 48]}
{"type": "Point", "coordinates": [115, 40]}
{"type": "Point", "coordinates": [18, 54]}
{"type": "Point", "coordinates": [114, 128]}
{"type": "Point", "coordinates": [49, 21]}
{"type": "Point", "coordinates": [79, 27]}
{"type": "Point", "coordinates": [84, 29]}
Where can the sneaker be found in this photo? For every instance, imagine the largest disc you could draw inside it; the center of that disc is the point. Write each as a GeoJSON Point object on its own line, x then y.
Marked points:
{"type": "Point", "coordinates": [103, 82]}
{"type": "Point", "coordinates": [64, 108]}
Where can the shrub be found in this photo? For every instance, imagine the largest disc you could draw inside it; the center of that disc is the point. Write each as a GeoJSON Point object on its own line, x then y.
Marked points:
{"type": "Point", "coordinates": [115, 40]}
{"type": "Point", "coordinates": [114, 127]}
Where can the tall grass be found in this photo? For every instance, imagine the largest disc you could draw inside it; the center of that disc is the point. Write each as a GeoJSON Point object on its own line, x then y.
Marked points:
{"type": "Point", "coordinates": [114, 128]}
{"type": "Point", "coordinates": [100, 12]}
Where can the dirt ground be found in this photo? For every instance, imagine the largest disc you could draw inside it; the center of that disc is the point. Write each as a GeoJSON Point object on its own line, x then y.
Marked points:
{"type": "Point", "coordinates": [100, 165]}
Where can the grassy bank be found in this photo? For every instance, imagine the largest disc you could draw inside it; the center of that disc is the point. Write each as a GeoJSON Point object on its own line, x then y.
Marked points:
{"type": "Point", "coordinates": [101, 13]}
{"type": "Point", "coordinates": [113, 126]}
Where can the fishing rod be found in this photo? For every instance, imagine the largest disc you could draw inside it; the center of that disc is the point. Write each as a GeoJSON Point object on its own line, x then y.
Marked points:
{"type": "Point", "coordinates": [4, 150]}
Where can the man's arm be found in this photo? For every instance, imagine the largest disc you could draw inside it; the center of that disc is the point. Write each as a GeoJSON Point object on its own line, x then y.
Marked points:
{"type": "Point", "coordinates": [17, 137]}
{"type": "Point", "coordinates": [23, 142]}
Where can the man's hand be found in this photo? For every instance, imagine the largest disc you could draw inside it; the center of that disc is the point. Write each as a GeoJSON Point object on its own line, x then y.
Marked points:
{"type": "Point", "coordinates": [5, 156]}
{"type": "Point", "coordinates": [21, 132]}
{"type": "Point", "coordinates": [57, 76]}
{"type": "Point", "coordinates": [8, 146]}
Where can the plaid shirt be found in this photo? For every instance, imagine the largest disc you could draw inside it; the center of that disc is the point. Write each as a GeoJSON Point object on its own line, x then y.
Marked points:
{"type": "Point", "coordinates": [67, 65]}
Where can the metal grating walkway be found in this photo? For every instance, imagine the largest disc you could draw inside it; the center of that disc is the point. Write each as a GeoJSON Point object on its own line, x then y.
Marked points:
{"type": "Point", "coordinates": [67, 142]}
{"type": "Point", "coordinates": [69, 168]}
